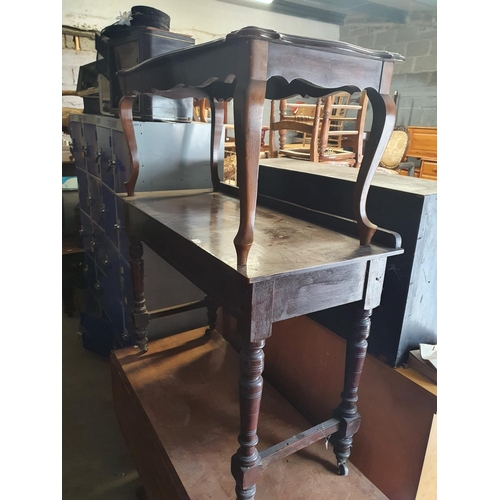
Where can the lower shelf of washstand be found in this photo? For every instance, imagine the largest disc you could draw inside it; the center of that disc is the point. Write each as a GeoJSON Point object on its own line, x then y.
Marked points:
{"type": "Point", "coordinates": [177, 407]}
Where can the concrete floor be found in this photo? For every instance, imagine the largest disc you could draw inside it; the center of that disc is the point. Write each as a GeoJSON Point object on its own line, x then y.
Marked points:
{"type": "Point", "coordinates": [96, 464]}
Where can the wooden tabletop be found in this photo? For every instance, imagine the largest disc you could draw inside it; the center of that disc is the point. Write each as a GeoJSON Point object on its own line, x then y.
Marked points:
{"type": "Point", "coordinates": [331, 64]}
{"type": "Point", "coordinates": [283, 244]}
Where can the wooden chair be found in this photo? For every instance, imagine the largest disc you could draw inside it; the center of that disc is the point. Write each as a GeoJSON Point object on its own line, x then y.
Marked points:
{"type": "Point", "coordinates": [324, 123]}
{"type": "Point", "coordinates": [201, 110]}
{"type": "Point", "coordinates": [334, 136]}
{"type": "Point", "coordinates": [336, 111]}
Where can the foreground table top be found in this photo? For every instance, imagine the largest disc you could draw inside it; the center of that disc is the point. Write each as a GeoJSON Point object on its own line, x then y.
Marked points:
{"type": "Point", "coordinates": [284, 245]}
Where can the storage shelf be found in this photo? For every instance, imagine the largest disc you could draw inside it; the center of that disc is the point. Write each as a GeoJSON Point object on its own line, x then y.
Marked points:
{"type": "Point", "coordinates": [177, 406]}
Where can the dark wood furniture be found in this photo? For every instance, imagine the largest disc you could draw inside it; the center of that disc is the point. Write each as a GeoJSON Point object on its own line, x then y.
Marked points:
{"type": "Point", "coordinates": [178, 407]}
{"type": "Point", "coordinates": [407, 315]}
{"type": "Point", "coordinates": [397, 413]}
{"type": "Point", "coordinates": [300, 261]}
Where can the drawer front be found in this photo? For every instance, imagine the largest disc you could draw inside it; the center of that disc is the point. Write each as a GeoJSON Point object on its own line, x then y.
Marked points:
{"type": "Point", "coordinates": [95, 200]}
{"type": "Point", "coordinates": [100, 248]}
{"type": "Point", "coordinates": [89, 149]}
{"type": "Point", "coordinates": [122, 167]}
{"type": "Point", "coordinates": [110, 220]}
{"type": "Point", "coordinates": [428, 170]}
{"type": "Point", "coordinates": [104, 156]}
{"type": "Point", "coordinates": [76, 132]}
{"type": "Point", "coordinates": [86, 231]}
{"type": "Point", "coordinates": [423, 142]}
{"type": "Point", "coordinates": [83, 190]}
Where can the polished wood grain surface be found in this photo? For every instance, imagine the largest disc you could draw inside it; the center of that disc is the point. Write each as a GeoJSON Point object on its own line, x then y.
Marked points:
{"type": "Point", "coordinates": [177, 406]}
{"type": "Point", "coordinates": [332, 64]}
{"type": "Point", "coordinates": [254, 64]}
{"type": "Point", "coordinates": [284, 244]}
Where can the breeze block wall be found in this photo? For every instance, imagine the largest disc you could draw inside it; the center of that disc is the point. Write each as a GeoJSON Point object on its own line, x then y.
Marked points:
{"type": "Point", "coordinates": [416, 78]}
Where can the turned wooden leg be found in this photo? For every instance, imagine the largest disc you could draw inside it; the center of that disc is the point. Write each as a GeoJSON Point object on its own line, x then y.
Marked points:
{"type": "Point", "coordinates": [140, 313]}
{"type": "Point", "coordinates": [212, 307]}
{"type": "Point", "coordinates": [140, 493]}
{"type": "Point", "coordinates": [357, 345]}
{"type": "Point", "coordinates": [247, 457]}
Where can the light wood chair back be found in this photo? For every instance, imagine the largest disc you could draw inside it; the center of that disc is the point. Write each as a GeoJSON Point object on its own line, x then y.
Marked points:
{"type": "Point", "coordinates": [201, 110]}
{"type": "Point", "coordinates": [324, 123]}
{"type": "Point", "coordinates": [334, 137]}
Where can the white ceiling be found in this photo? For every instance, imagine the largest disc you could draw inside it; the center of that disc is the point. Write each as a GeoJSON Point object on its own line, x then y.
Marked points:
{"type": "Point", "coordinates": [335, 11]}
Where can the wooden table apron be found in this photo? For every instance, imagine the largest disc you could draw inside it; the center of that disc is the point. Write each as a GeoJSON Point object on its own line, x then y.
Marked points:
{"type": "Point", "coordinates": [249, 66]}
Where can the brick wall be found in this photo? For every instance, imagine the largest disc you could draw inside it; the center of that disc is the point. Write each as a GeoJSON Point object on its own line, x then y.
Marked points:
{"type": "Point", "coordinates": [416, 78]}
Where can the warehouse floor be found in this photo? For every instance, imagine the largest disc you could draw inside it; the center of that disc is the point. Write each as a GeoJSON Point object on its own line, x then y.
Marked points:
{"type": "Point", "coordinates": [96, 464]}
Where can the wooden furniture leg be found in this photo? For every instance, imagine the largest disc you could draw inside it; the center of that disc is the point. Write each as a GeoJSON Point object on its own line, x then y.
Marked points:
{"type": "Point", "coordinates": [140, 313]}
{"type": "Point", "coordinates": [347, 411]}
{"type": "Point", "coordinates": [273, 148]}
{"type": "Point", "coordinates": [358, 145]}
{"type": "Point", "coordinates": [127, 119]}
{"type": "Point", "coordinates": [282, 132]}
{"type": "Point", "coordinates": [140, 493]}
{"type": "Point", "coordinates": [249, 96]}
{"type": "Point", "coordinates": [247, 457]}
{"type": "Point", "coordinates": [325, 126]}
{"type": "Point", "coordinates": [212, 307]}
{"type": "Point", "coordinates": [216, 124]}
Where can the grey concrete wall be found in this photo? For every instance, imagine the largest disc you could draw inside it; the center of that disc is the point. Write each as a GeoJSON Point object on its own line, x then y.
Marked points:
{"type": "Point", "coordinates": [416, 78]}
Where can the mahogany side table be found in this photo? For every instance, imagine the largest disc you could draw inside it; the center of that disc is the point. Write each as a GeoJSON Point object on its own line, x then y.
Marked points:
{"type": "Point", "coordinates": [294, 260]}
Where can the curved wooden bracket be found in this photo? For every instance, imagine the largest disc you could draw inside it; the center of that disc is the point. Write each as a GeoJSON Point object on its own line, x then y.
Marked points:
{"type": "Point", "coordinates": [127, 120]}
{"type": "Point", "coordinates": [384, 117]}
{"type": "Point", "coordinates": [217, 122]}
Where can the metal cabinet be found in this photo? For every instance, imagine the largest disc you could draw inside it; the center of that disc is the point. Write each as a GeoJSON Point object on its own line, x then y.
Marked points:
{"type": "Point", "coordinates": [179, 161]}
